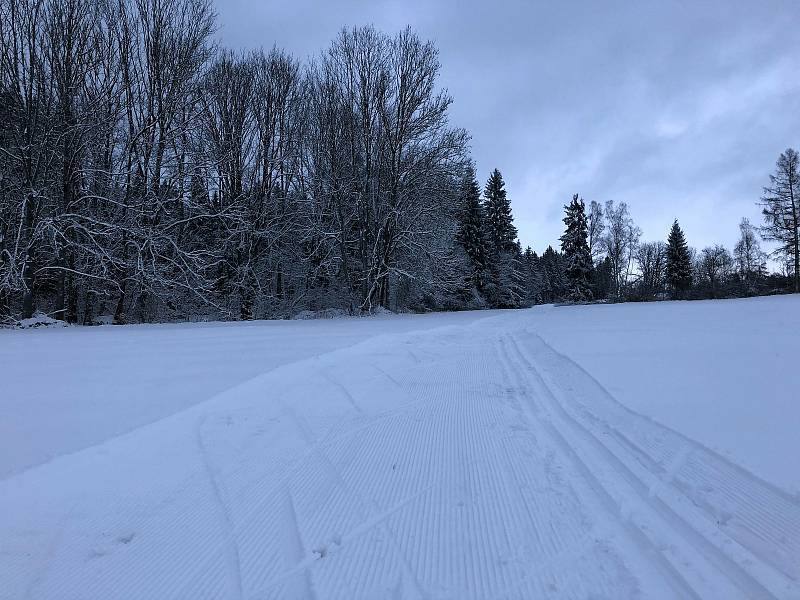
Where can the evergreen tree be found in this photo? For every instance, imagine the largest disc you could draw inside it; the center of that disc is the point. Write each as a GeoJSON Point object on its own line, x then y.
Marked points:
{"type": "Point", "coordinates": [575, 246]}
{"type": "Point", "coordinates": [517, 275]}
{"type": "Point", "coordinates": [499, 221]}
{"type": "Point", "coordinates": [679, 261]}
{"type": "Point", "coordinates": [603, 278]}
{"type": "Point", "coordinates": [471, 229]}
{"type": "Point", "coordinates": [533, 279]}
{"type": "Point", "coordinates": [503, 258]}
{"type": "Point", "coordinates": [553, 272]}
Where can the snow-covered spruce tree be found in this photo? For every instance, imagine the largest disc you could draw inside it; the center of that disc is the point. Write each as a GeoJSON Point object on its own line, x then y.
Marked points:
{"type": "Point", "coordinates": [518, 274]}
{"type": "Point", "coordinates": [499, 219]}
{"type": "Point", "coordinates": [679, 262]}
{"type": "Point", "coordinates": [552, 268]}
{"type": "Point", "coordinates": [471, 229]}
{"type": "Point", "coordinates": [781, 210]}
{"type": "Point", "coordinates": [534, 283]}
{"type": "Point", "coordinates": [504, 252]}
{"type": "Point", "coordinates": [603, 279]}
{"type": "Point", "coordinates": [575, 247]}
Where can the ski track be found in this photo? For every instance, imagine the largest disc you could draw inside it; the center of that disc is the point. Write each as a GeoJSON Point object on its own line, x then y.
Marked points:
{"type": "Point", "coordinates": [476, 462]}
{"type": "Point", "coordinates": [231, 548]}
{"type": "Point", "coordinates": [753, 512]}
{"type": "Point", "coordinates": [707, 538]}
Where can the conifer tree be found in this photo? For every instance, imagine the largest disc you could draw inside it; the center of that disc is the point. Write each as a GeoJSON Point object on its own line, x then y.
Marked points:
{"type": "Point", "coordinates": [602, 279]}
{"type": "Point", "coordinates": [499, 220]}
{"type": "Point", "coordinates": [533, 278]}
{"type": "Point", "coordinates": [471, 229]}
{"type": "Point", "coordinates": [504, 252]}
{"type": "Point", "coordinates": [679, 261]}
{"type": "Point", "coordinates": [575, 246]}
{"type": "Point", "coordinates": [552, 268]}
{"type": "Point", "coordinates": [517, 275]}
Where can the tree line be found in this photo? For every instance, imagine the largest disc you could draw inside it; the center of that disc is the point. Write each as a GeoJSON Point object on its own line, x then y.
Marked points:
{"type": "Point", "coordinates": [603, 258]}
{"type": "Point", "coordinates": [147, 174]}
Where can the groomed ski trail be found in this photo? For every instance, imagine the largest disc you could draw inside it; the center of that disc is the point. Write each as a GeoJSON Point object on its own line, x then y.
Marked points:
{"type": "Point", "coordinates": [465, 462]}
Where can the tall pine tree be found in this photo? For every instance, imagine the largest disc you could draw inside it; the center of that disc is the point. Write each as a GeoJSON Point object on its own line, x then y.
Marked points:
{"type": "Point", "coordinates": [575, 246]}
{"type": "Point", "coordinates": [533, 278]}
{"type": "Point", "coordinates": [679, 262]}
{"type": "Point", "coordinates": [504, 253]}
{"type": "Point", "coordinates": [603, 278]}
{"type": "Point", "coordinates": [471, 229]}
{"type": "Point", "coordinates": [499, 220]}
{"type": "Point", "coordinates": [552, 266]}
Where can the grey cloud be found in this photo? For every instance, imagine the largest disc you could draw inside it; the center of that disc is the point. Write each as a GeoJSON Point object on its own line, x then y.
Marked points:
{"type": "Point", "coordinates": [678, 108]}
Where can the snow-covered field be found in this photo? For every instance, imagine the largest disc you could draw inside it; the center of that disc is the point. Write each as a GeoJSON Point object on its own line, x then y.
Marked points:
{"type": "Point", "coordinates": [66, 389]}
{"type": "Point", "coordinates": [567, 452]}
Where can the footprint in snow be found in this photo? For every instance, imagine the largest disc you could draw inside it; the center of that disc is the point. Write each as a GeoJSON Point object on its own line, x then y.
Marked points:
{"type": "Point", "coordinates": [127, 538]}
{"type": "Point", "coordinates": [322, 550]}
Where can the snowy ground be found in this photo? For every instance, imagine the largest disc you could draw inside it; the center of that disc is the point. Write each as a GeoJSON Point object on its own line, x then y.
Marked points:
{"type": "Point", "coordinates": [584, 452]}
{"type": "Point", "coordinates": [94, 383]}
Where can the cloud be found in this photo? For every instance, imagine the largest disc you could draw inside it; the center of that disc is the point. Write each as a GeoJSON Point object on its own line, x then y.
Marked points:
{"type": "Point", "coordinates": [679, 109]}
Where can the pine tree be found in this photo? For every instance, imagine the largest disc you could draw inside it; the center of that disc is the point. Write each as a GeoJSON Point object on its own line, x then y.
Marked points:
{"type": "Point", "coordinates": [603, 278]}
{"type": "Point", "coordinates": [471, 229]}
{"type": "Point", "coordinates": [499, 220]}
{"type": "Point", "coordinates": [517, 275]}
{"type": "Point", "coordinates": [553, 267]}
{"type": "Point", "coordinates": [503, 258]}
{"type": "Point", "coordinates": [533, 278]}
{"type": "Point", "coordinates": [575, 246]}
{"type": "Point", "coordinates": [679, 261]}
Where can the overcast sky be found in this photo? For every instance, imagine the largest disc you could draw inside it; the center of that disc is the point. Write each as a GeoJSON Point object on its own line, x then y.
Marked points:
{"type": "Point", "coordinates": [679, 109]}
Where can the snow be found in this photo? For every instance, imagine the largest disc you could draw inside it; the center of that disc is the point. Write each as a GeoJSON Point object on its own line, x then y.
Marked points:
{"type": "Point", "coordinates": [66, 390]}
{"type": "Point", "coordinates": [718, 371]}
{"type": "Point", "coordinates": [40, 320]}
{"type": "Point", "coordinates": [548, 453]}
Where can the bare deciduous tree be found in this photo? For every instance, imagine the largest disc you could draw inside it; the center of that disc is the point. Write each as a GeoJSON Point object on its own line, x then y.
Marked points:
{"type": "Point", "coordinates": [651, 260]}
{"type": "Point", "coordinates": [620, 240]}
{"type": "Point", "coordinates": [750, 259]}
{"type": "Point", "coordinates": [146, 174]}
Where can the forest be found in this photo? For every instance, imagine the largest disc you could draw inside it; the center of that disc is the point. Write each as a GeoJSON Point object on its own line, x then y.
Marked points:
{"type": "Point", "coordinates": [147, 174]}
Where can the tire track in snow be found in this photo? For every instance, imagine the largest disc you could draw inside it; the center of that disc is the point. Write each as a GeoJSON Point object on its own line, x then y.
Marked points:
{"type": "Point", "coordinates": [692, 543]}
